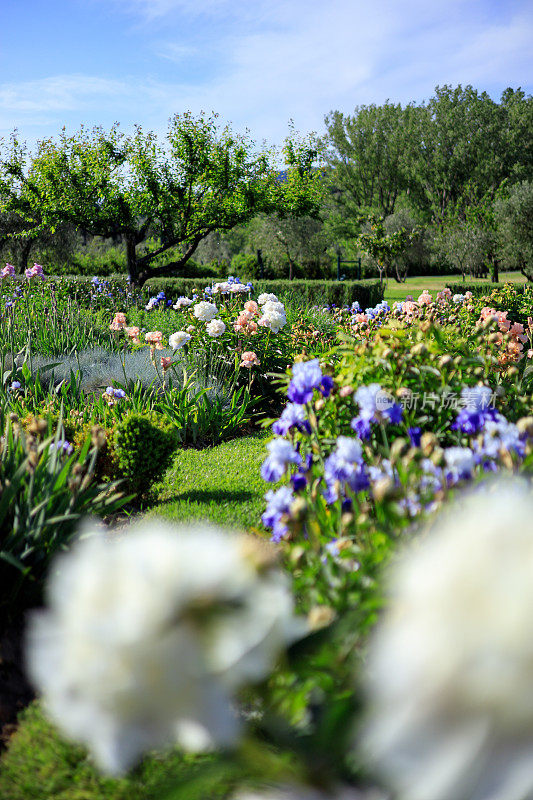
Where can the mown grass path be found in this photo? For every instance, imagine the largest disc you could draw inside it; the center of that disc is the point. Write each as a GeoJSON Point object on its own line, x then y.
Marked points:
{"type": "Point", "coordinates": [221, 484]}
{"type": "Point", "coordinates": [435, 283]}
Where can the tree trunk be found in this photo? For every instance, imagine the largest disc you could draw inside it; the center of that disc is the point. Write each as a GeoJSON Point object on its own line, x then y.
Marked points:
{"type": "Point", "coordinates": [131, 257]}
{"type": "Point", "coordinates": [24, 255]}
{"type": "Point", "coordinates": [291, 266]}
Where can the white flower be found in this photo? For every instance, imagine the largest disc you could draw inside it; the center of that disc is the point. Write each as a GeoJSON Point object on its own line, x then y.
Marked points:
{"type": "Point", "coordinates": [146, 637]}
{"type": "Point", "coordinates": [205, 311]}
{"type": "Point", "coordinates": [265, 298]}
{"type": "Point", "coordinates": [152, 302]}
{"type": "Point", "coordinates": [215, 328]}
{"type": "Point", "coordinates": [451, 666]}
{"type": "Point", "coordinates": [460, 461]}
{"type": "Point", "coordinates": [222, 288]}
{"type": "Point", "coordinates": [273, 315]}
{"type": "Point", "coordinates": [273, 307]}
{"type": "Point", "coordinates": [458, 298]}
{"type": "Point", "coordinates": [239, 288]}
{"type": "Point", "coordinates": [276, 322]}
{"type": "Point", "coordinates": [178, 339]}
{"type": "Point", "coordinates": [182, 302]}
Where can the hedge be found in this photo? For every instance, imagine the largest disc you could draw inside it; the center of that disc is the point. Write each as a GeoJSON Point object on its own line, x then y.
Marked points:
{"type": "Point", "coordinates": [480, 289]}
{"type": "Point", "coordinates": [305, 292]}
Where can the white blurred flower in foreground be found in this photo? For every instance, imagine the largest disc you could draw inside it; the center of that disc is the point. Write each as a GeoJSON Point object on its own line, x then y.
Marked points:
{"type": "Point", "coordinates": [451, 666]}
{"type": "Point", "coordinates": [147, 636]}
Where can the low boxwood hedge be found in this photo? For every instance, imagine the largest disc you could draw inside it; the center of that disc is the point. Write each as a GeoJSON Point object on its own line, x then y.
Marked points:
{"type": "Point", "coordinates": [304, 292]}
{"type": "Point", "coordinates": [479, 289]}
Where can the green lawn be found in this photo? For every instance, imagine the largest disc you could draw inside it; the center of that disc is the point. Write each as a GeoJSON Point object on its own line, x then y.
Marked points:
{"type": "Point", "coordinates": [221, 484]}
{"type": "Point", "coordinates": [434, 283]}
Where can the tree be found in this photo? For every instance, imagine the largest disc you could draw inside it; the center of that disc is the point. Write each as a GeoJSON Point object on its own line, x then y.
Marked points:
{"type": "Point", "coordinates": [469, 145]}
{"type": "Point", "coordinates": [416, 250]}
{"type": "Point", "coordinates": [385, 247]}
{"type": "Point", "coordinates": [109, 184]}
{"type": "Point", "coordinates": [514, 218]}
{"type": "Point", "coordinates": [465, 246]}
{"type": "Point", "coordinates": [298, 242]}
{"type": "Point", "coordinates": [371, 156]}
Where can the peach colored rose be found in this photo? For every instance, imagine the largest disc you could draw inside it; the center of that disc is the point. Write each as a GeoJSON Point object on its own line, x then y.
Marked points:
{"type": "Point", "coordinates": [252, 308]}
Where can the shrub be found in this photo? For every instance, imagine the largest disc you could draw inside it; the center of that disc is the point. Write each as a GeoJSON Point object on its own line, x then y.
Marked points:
{"type": "Point", "coordinates": [302, 292]}
{"type": "Point", "coordinates": [143, 446]}
{"type": "Point", "coordinates": [478, 290]}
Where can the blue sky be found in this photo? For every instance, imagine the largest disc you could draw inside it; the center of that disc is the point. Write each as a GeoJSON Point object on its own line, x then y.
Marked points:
{"type": "Point", "coordinates": [258, 63]}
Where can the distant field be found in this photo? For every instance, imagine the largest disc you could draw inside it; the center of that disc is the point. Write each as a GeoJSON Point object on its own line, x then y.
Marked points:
{"type": "Point", "coordinates": [434, 283]}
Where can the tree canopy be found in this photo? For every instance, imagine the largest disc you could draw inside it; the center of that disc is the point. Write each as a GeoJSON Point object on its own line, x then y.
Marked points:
{"type": "Point", "coordinates": [439, 157]}
{"type": "Point", "coordinates": [110, 184]}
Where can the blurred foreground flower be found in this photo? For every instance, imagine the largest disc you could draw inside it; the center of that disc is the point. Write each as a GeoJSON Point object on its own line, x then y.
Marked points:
{"type": "Point", "coordinates": [451, 686]}
{"type": "Point", "coordinates": [146, 638]}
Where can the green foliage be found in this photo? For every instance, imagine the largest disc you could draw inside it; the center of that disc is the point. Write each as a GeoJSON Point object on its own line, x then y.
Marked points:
{"type": "Point", "coordinates": [514, 217]}
{"type": "Point", "coordinates": [112, 185]}
{"type": "Point", "coordinates": [478, 290]}
{"type": "Point", "coordinates": [385, 246]}
{"type": "Point", "coordinates": [440, 159]}
{"type": "Point", "coordinates": [372, 159]}
{"type": "Point", "coordinates": [245, 266]}
{"type": "Point", "coordinates": [465, 246]}
{"type": "Point", "coordinates": [302, 292]}
{"type": "Point", "coordinates": [44, 492]}
{"type": "Point", "coordinates": [143, 446]}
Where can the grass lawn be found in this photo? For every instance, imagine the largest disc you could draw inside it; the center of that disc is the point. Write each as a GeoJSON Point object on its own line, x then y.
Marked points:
{"type": "Point", "coordinates": [221, 484]}
{"type": "Point", "coordinates": [434, 283]}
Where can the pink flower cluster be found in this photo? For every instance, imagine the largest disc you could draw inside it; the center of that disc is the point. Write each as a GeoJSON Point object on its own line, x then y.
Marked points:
{"type": "Point", "coordinates": [133, 334]}
{"type": "Point", "coordinates": [34, 272]}
{"type": "Point", "coordinates": [8, 271]}
{"type": "Point", "coordinates": [514, 342]}
{"type": "Point", "coordinates": [154, 339]}
{"type": "Point", "coordinates": [245, 321]}
{"type": "Point", "coordinates": [119, 322]}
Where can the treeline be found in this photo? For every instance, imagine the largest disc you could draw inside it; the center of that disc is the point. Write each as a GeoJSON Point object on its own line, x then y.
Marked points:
{"type": "Point", "coordinates": [439, 187]}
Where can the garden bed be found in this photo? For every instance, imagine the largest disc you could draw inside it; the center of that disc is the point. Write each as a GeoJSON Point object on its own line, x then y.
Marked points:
{"type": "Point", "coordinates": [339, 431]}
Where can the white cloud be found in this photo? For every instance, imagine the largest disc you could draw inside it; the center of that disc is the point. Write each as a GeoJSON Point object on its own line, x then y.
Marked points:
{"type": "Point", "coordinates": [175, 52]}
{"type": "Point", "coordinates": [57, 93]}
{"type": "Point", "coordinates": [262, 63]}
